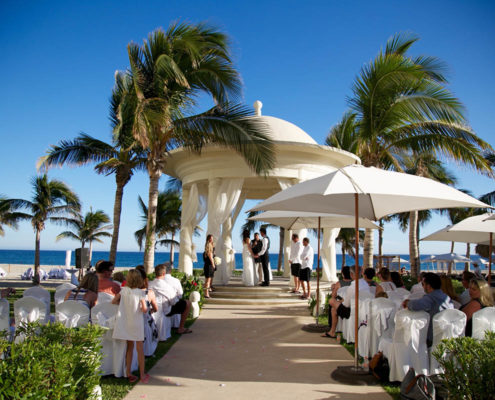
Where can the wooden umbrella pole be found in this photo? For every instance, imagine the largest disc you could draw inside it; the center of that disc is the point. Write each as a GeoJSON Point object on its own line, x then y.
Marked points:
{"type": "Point", "coordinates": [318, 276]}
{"type": "Point", "coordinates": [356, 280]}
{"type": "Point", "coordinates": [490, 261]}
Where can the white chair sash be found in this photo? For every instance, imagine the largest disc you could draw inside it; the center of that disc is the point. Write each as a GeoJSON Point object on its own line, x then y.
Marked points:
{"type": "Point", "coordinates": [483, 320]}
{"type": "Point", "coordinates": [105, 321]}
{"type": "Point", "coordinates": [26, 316]}
{"type": "Point", "coordinates": [69, 321]}
{"type": "Point", "coordinates": [381, 320]}
{"type": "Point", "coordinates": [410, 327]}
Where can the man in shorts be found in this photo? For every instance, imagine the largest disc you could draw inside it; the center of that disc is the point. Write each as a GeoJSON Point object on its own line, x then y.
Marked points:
{"type": "Point", "coordinates": [295, 261]}
{"type": "Point", "coordinates": [307, 257]}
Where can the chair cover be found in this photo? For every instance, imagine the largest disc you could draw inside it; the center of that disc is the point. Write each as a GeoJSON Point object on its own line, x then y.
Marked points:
{"type": "Point", "coordinates": [29, 273]}
{"type": "Point", "coordinates": [4, 315]}
{"type": "Point", "coordinates": [28, 309]}
{"type": "Point", "coordinates": [72, 314]}
{"type": "Point", "coordinates": [163, 323]}
{"type": "Point", "coordinates": [3, 274]}
{"type": "Point", "coordinates": [380, 324]}
{"type": "Point", "coordinates": [195, 297]}
{"type": "Point", "coordinates": [397, 298]}
{"type": "Point", "coordinates": [58, 273]}
{"type": "Point", "coordinates": [61, 291]}
{"type": "Point", "coordinates": [348, 324]}
{"type": "Point", "coordinates": [483, 320]}
{"type": "Point", "coordinates": [403, 292]}
{"type": "Point", "coordinates": [104, 297]}
{"type": "Point", "coordinates": [446, 324]}
{"type": "Point", "coordinates": [175, 320]}
{"type": "Point", "coordinates": [41, 294]}
{"type": "Point", "coordinates": [408, 346]}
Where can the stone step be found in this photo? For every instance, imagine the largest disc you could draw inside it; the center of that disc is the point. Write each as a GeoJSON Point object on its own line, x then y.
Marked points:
{"type": "Point", "coordinates": [253, 295]}
{"type": "Point", "coordinates": [255, 302]}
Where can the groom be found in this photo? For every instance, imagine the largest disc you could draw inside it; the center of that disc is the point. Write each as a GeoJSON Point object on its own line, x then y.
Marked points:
{"type": "Point", "coordinates": [263, 256]}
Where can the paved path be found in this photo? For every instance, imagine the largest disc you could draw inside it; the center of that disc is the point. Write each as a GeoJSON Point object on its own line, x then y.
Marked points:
{"type": "Point", "coordinates": [249, 352]}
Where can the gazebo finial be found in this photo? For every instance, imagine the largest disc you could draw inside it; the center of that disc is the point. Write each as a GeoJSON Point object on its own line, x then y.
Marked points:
{"type": "Point", "coordinates": [258, 105]}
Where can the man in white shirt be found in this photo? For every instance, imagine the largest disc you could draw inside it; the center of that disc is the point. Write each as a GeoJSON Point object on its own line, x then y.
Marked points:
{"type": "Point", "coordinates": [295, 261]}
{"type": "Point", "coordinates": [167, 295]}
{"type": "Point", "coordinates": [342, 308]}
{"type": "Point", "coordinates": [307, 256]}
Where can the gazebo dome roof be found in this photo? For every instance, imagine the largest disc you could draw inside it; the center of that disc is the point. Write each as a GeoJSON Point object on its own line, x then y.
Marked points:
{"type": "Point", "coordinates": [284, 131]}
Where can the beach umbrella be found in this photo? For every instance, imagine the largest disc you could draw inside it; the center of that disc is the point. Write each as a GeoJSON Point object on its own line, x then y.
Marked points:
{"type": "Point", "coordinates": [446, 235]}
{"type": "Point", "coordinates": [296, 220]}
{"type": "Point", "coordinates": [367, 192]}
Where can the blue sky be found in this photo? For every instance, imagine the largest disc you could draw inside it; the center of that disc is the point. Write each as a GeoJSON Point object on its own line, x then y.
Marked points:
{"type": "Point", "coordinates": [298, 58]}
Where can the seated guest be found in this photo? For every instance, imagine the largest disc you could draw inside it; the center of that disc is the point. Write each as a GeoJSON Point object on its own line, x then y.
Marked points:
{"type": "Point", "coordinates": [87, 291]}
{"type": "Point", "coordinates": [343, 282]}
{"type": "Point", "coordinates": [386, 284]}
{"type": "Point", "coordinates": [173, 281]}
{"type": "Point", "coordinates": [342, 308]}
{"type": "Point", "coordinates": [448, 289]}
{"type": "Point", "coordinates": [168, 295]}
{"type": "Point", "coordinates": [481, 297]}
{"type": "Point", "coordinates": [432, 302]}
{"type": "Point", "coordinates": [368, 275]}
{"type": "Point", "coordinates": [464, 298]}
{"type": "Point", "coordinates": [397, 279]}
{"type": "Point", "coordinates": [403, 271]}
{"type": "Point", "coordinates": [104, 270]}
{"type": "Point", "coordinates": [118, 277]}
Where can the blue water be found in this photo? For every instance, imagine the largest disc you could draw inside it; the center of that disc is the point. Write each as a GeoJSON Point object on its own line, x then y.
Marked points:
{"type": "Point", "coordinates": [131, 258]}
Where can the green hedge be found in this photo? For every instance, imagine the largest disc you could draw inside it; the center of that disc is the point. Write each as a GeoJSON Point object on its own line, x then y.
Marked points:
{"type": "Point", "coordinates": [52, 362]}
{"type": "Point", "coordinates": [469, 366]}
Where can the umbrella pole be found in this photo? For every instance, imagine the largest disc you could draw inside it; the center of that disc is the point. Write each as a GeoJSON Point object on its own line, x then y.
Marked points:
{"type": "Point", "coordinates": [356, 282]}
{"type": "Point", "coordinates": [318, 275]}
{"type": "Point", "coordinates": [490, 261]}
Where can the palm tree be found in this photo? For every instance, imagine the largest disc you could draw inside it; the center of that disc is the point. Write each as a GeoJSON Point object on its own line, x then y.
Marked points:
{"type": "Point", "coordinates": [347, 240]}
{"type": "Point", "coordinates": [402, 105]}
{"type": "Point", "coordinates": [89, 228]}
{"type": "Point", "coordinates": [122, 157]}
{"type": "Point", "coordinates": [52, 201]}
{"type": "Point", "coordinates": [9, 216]}
{"type": "Point", "coordinates": [169, 72]}
{"type": "Point", "coordinates": [168, 217]}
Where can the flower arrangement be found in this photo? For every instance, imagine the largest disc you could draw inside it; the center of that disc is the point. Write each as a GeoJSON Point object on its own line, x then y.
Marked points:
{"type": "Point", "coordinates": [217, 260]}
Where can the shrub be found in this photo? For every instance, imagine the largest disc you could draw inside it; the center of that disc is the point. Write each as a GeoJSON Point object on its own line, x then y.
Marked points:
{"type": "Point", "coordinates": [52, 362]}
{"type": "Point", "coordinates": [469, 367]}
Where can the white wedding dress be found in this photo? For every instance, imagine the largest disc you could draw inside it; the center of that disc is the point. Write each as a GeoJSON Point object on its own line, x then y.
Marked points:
{"type": "Point", "coordinates": [248, 274]}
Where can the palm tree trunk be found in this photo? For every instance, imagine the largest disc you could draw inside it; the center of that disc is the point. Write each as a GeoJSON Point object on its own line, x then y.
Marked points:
{"type": "Point", "coordinates": [36, 276]}
{"type": "Point", "coordinates": [380, 244]}
{"type": "Point", "coordinates": [368, 249]}
{"type": "Point", "coordinates": [90, 251]}
{"type": "Point", "coordinates": [450, 263]}
{"type": "Point", "coordinates": [413, 243]}
{"type": "Point", "coordinates": [117, 209]}
{"type": "Point", "coordinates": [172, 256]}
{"type": "Point", "coordinates": [468, 255]}
{"type": "Point", "coordinates": [281, 249]}
{"type": "Point", "coordinates": [149, 248]}
{"type": "Point", "coordinates": [343, 256]}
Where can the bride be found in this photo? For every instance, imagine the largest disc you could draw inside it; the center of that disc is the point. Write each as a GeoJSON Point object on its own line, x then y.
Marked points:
{"type": "Point", "coordinates": [248, 273]}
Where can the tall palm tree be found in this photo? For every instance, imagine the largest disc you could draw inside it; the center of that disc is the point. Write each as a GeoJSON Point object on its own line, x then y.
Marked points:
{"type": "Point", "coordinates": [169, 71]}
{"type": "Point", "coordinates": [52, 201]}
{"type": "Point", "coordinates": [122, 157]}
{"type": "Point", "coordinates": [347, 240]}
{"type": "Point", "coordinates": [401, 104]}
{"type": "Point", "coordinates": [168, 217]}
{"type": "Point", "coordinates": [87, 229]}
{"type": "Point", "coordinates": [9, 214]}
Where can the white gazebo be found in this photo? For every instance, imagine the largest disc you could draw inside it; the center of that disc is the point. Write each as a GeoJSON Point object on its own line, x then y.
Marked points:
{"type": "Point", "coordinates": [218, 181]}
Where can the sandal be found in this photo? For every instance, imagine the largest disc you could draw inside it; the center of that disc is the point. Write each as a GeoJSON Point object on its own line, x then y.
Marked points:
{"type": "Point", "coordinates": [146, 378]}
{"type": "Point", "coordinates": [132, 378]}
{"type": "Point", "coordinates": [329, 336]}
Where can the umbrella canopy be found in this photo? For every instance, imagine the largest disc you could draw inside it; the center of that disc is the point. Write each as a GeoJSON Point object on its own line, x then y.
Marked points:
{"type": "Point", "coordinates": [296, 220]}
{"type": "Point", "coordinates": [399, 260]}
{"type": "Point", "coordinates": [451, 257]}
{"type": "Point", "coordinates": [448, 235]}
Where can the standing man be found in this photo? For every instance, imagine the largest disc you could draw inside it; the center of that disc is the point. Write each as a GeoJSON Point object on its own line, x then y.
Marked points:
{"type": "Point", "coordinates": [263, 256]}
{"type": "Point", "coordinates": [307, 257]}
{"type": "Point", "coordinates": [295, 261]}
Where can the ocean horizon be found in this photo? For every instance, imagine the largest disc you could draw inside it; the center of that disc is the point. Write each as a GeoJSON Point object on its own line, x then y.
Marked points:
{"type": "Point", "coordinates": [133, 258]}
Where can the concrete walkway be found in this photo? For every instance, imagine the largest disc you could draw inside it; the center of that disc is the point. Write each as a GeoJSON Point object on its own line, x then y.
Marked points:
{"type": "Point", "coordinates": [252, 352]}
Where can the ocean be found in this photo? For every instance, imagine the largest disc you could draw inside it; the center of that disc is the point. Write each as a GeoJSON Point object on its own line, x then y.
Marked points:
{"type": "Point", "coordinates": [133, 258]}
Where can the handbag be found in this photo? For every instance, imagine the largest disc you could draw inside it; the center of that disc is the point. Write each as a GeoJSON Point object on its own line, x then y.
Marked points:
{"type": "Point", "coordinates": [416, 387]}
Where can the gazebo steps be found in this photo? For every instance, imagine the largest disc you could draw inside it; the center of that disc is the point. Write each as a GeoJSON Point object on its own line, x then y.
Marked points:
{"type": "Point", "coordinates": [256, 302]}
{"type": "Point", "coordinates": [254, 294]}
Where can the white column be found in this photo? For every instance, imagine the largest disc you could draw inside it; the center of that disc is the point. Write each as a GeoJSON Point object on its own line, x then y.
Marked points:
{"type": "Point", "coordinates": [185, 260]}
{"type": "Point", "coordinates": [329, 255]}
{"type": "Point", "coordinates": [287, 241]}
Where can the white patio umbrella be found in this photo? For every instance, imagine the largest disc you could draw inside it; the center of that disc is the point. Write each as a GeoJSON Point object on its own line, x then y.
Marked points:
{"type": "Point", "coordinates": [367, 192]}
{"type": "Point", "coordinates": [306, 220]}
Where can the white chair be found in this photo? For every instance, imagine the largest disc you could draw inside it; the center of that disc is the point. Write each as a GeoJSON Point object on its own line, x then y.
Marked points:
{"type": "Point", "coordinates": [163, 323]}
{"type": "Point", "coordinates": [72, 314]}
{"type": "Point", "coordinates": [446, 324]}
{"type": "Point", "coordinates": [483, 320]}
{"type": "Point", "coordinates": [28, 309]}
{"type": "Point", "coordinates": [61, 291]}
{"type": "Point", "coordinates": [4, 315]}
{"type": "Point", "coordinates": [41, 294]}
{"type": "Point", "coordinates": [104, 297]}
{"type": "Point", "coordinates": [408, 346]}
{"type": "Point", "coordinates": [380, 325]}
{"type": "Point", "coordinates": [340, 323]}
{"type": "Point", "coordinates": [348, 324]}
{"type": "Point", "coordinates": [403, 292]}
{"type": "Point", "coordinates": [397, 297]}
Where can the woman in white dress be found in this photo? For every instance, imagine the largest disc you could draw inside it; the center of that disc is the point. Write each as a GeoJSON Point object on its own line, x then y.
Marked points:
{"type": "Point", "coordinates": [249, 277]}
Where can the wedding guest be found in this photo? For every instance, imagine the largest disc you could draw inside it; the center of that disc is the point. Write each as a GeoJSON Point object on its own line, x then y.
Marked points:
{"type": "Point", "coordinates": [481, 297]}
{"type": "Point", "coordinates": [386, 283]}
{"type": "Point", "coordinates": [464, 298]}
{"type": "Point", "coordinates": [448, 289]}
{"type": "Point", "coordinates": [307, 258]}
{"type": "Point", "coordinates": [209, 264]}
{"type": "Point", "coordinates": [368, 275]}
{"type": "Point", "coordinates": [118, 277]}
{"type": "Point", "coordinates": [432, 302]}
{"type": "Point", "coordinates": [104, 270]}
{"type": "Point", "coordinates": [129, 324]}
{"type": "Point", "coordinates": [150, 330]}
{"type": "Point", "coordinates": [87, 291]}
{"type": "Point", "coordinates": [396, 279]}
{"type": "Point", "coordinates": [343, 282]}
{"type": "Point", "coordinates": [295, 261]}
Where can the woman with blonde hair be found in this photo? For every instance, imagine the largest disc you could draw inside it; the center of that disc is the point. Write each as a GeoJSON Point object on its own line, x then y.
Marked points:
{"type": "Point", "coordinates": [209, 264]}
{"type": "Point", "coordinates": [481, 297]}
